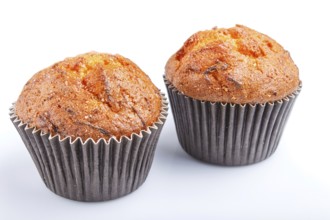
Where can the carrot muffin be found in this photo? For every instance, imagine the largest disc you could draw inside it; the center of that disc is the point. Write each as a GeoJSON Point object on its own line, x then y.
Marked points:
{"type": "Point", "coordinates": [231, 91]}
{"type": "Point", "coordinates": [91, 124]}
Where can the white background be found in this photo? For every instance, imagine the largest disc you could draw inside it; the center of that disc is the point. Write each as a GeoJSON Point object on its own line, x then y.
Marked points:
{"type": "Point", "coordinates": [292, 184]}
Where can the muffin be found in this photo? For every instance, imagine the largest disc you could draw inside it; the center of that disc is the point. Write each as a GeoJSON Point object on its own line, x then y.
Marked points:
{"type": "Point", "coordinates": [91, 124]}
{"type": "Point", "coordinates": [231, 91]}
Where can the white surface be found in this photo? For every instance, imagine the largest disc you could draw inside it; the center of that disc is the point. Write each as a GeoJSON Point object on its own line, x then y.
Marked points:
{"type": "Point", "coordinates": [293, 184]}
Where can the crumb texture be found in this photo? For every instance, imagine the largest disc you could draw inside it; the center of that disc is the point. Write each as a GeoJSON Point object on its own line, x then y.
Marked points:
{"type": "Point", "coordinates": [93, 95]}
{"type": "Point", "coordinates": [236, 65]}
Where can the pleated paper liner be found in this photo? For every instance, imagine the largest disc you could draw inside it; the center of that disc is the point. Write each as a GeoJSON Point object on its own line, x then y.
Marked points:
{"type": "Point", "coordinates": [229, 134]}
{"type": "Point", "coordinates": [89, 171]}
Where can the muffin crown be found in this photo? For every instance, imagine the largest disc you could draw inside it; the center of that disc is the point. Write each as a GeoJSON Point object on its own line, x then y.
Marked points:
{"type": "Point", "coordinates": [93, 95]}
{"type": "Point", "coordinates": [236, 65]}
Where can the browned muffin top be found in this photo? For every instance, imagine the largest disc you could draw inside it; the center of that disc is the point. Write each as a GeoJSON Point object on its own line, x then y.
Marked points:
{"type": "Point", "coordinates": [236, 65]}
{"type": "Point", "coordinates": [93, 95]}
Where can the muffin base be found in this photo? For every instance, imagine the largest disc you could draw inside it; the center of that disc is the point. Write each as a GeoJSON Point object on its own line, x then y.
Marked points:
{"type": "Point", "coordinates": [89, 171]}
{"type": "Point", "coordinates": [229, 134]}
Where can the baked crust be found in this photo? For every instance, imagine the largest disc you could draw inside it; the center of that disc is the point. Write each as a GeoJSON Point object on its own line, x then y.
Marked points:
{"type": "Point", "coordinates": [236, 65]}
{"type": "Point", "coordinates": [93, 95]}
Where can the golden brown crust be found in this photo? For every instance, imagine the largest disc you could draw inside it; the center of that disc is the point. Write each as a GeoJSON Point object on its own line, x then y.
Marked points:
{"type": "Point", "coordinates": [236, 65]}
{"type": "Point", "coordinates": [93, 95]}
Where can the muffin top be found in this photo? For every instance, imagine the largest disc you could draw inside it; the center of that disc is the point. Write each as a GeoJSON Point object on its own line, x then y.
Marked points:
{"type": "Point", "coordinates": [93, 95]}
{"type": "Point", "coordinates": [236, 65]}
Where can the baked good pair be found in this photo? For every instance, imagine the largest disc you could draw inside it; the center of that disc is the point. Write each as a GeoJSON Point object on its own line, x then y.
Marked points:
{"type": "Point", "coordinates": [91, 122]}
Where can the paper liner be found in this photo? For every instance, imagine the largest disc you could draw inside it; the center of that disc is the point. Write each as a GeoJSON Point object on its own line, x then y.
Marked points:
{"type": "Point", "coordinates": [89, 171]}
{"type": "Point", "coordinates": [229, 134]}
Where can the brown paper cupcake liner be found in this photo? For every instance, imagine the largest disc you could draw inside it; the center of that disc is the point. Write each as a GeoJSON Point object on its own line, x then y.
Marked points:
{"type": "Point", "coordinates": [89, 171]}
{"type": "Point", "coordinates": [229, 134]}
